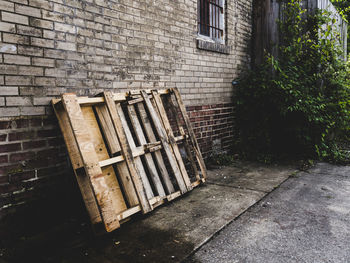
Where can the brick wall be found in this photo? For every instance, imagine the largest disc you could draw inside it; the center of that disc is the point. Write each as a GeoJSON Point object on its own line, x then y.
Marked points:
{"type": "Point", "coordinates": [49, 47]}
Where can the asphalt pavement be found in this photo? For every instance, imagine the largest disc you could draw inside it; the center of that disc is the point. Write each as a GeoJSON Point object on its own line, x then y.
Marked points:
{"type": "Point", "coordinates": [306, 219]}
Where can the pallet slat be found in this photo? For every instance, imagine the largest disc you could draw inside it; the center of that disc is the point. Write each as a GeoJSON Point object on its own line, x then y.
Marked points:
{"type": "Point", "coordinates": [114, 148]}
{"type": "Point", "coordinates": [114, 192]}
{"type": "Point", "coordinates": [137, 160]}
{"type": "Point", "coordinates": [148, 156]}
{"type": "Point", "coordinates": [187, 146]}
{"type": "Point", "coordinates": [126, 151]}
{"type": "Point", "coordinates": [165, 142]}
{"type": "Point", "coordinates": [165, 121]}
{"type": "Point", "coordinates": [90, 160]}
{"type": "Point", "coordinates": [190, 131]}
{"type": "Point", "coordinates": [158, 156]}
{"type": "Point", "coordinates": [77, 163]}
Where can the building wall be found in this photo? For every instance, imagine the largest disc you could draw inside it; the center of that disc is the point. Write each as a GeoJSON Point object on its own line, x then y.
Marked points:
{"type": "Point", "coordinates": [87, 46]}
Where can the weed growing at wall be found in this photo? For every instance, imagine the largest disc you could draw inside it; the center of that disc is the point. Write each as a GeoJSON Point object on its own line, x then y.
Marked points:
{"type": "Point", "coordinates": [297, 104]}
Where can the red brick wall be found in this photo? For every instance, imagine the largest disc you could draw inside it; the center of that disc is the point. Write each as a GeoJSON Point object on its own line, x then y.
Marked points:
{"type": "Point", "coordinates": [32, 156]}
{"type": "Point", "coordinates": [213, 126]}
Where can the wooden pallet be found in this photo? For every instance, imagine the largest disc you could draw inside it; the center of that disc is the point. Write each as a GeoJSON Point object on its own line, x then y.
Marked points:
{"type": "Point", "coordinates": [130, 152]}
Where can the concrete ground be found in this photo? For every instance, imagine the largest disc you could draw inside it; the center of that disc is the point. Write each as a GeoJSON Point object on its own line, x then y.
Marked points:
{"type": "Point", "coordinates": [171, 232]}
{"type": "Point", "coordinates": [307, 219]}
{"type": "Point", "coordinates": [244, 213]}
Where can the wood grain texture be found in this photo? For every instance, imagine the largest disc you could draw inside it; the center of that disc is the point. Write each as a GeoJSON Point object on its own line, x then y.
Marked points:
{"type": "Point", "coordinates": [137, 159]}
{"type": "Point", "coordinates": [74, 154]}
{"type": "Point", "coordinates": [166, 124]}
{"type": "Point", "coordinates": [114, 147]}
{"type": "Point", "coordinates": [90, 159]}
{"type": "Point", "coordinates": [188, 146]}
{"type": "Point", "coordinates": [114, 192]}
{"type": "Point", "coordinates": [192, 136]}
{"type": "Point", "coordinates": [148, 156]}
{"type": "Point", "coordinates": [165, 142]}
{"type": "Point", "coordinates": [158, 155]}
{"type": "Point", "coordinates": [126, 151]}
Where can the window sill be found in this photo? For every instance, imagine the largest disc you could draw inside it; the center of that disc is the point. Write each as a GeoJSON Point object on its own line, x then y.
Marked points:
{"type": "Point", "coordinates": [213, 46]}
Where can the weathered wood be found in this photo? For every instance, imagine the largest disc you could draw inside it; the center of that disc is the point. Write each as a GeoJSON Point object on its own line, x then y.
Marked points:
{"type": "Point", "coordinates": [134, 101]}
{"type": "Point", "coordinates": [99, 139]}
{"type": "Point", "coordinates": [126, 151]}
{"type": "Point", "coordinates": [190, 131]}
{"type": "Point", "coordinates": [137, 159]}
{"type": "Point", "coordinates": [111, 181]}
{"type": "Point", "coordinates": [148, 157]}
{"type": "Point", "coordinates": [158, 156]}
{"type": "Point", "coordinates": [74, 154]}
{"type": "Point", "coordinates": [147, 91]}
{"type": "Point", "coordinates": [188, 146]}
{"type": "Point", "coordinates": [90, 159]}
{"type": "Point", "coordinates": [114, 147]}
{"type": "Point", "coordinates": [165, 142]}
{"type": "Point", "coordinates": [174, 146]}
{"type": "Point", "coordinates": [137, 151]}
{"type": "Point", "coordinates": [198, 182]}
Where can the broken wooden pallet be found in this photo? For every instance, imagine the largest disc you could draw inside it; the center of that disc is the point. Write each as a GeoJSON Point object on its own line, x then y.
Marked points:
{"type": "Point", "coordinates": [130, 152]}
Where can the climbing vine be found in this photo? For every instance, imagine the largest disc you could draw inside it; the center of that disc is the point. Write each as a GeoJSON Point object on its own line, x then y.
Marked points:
{"type": "Point", "coordinates": [298, 103]}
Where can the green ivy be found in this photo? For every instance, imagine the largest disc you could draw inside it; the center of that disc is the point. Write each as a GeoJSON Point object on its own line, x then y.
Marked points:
{"type": "Point", "coordinates": [297, 104]}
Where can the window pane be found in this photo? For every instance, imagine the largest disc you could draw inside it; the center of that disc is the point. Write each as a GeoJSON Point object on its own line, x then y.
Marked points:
{"type": "Point", "coordinates": [204, 19]}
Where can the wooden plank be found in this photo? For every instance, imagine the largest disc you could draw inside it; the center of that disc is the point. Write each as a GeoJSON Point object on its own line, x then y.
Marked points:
{"type": "Point", "coordinates": [170, 134]}
{"type": "Point", "coordinates": [113, 160]}
{"type": "Point", "coordinates": [68, 135]}
{"type": "Point", "coordinates": [134, 101]}
{"type": "Point", "coordinates": [138, 151]}
{"type": "Point", "coordinates": [86, 101]}
{"type": "Point", "coordinates": [165, 142]}
{"type": "Point", "coordinates": [147, 91]}
{"type": "Point", "coordinates": [114, 147]}
{"type": "Point", "coordinates": [115, 193]}
{"type": "Point", "coordinates": [74, 154]}
{"type": "Point", "coordinates": [158, 156]}
{"type": "Point", "coordinates": [148, 156]}
{"type": "Point", "coordinates": [126, 151]}
{"type": "Point", "coordinates": [190, 131]}
{"type": "Point", "coordinates": [108, 129]}
{"type": "Point", "coordinates": [188, 147]}
{"type": "Point", "coordinates": [198, 182]}
{"type": "Point", "coordinates": [173, 196]}
{"type": "Point", "coordinates": [88, 154]}
{"type": "Point", "coordinates": [137, 159]}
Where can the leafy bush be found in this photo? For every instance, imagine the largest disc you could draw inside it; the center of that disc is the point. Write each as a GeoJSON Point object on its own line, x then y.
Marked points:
{"type": "Point", "coordinates": [297, 104]}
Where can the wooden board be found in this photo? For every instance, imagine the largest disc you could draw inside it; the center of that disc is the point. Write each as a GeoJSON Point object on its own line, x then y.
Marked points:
{"type": "Point", "coordinates": [188, 147]}
{"type": "Point", "coordinates": [172, 141]}
{"type": "Point", "coordinates": [114, 191]}
{"type": "Point", "coordinates": [158, 156]}
{"type": "Point", "coordinates": [90, 160]}
{"type": "Point", "coordinates": [190, 131]}
{"type": "Point", "coordinates": [165, 142]}
{"type": "Point", "coordinates": [126, 151]}
{"type": "Point", "coordinates": [77, 163]}
{"type": "Point", "coordinates": [114, 148]}
{"type": "Point", "coordinates": [148, 156]}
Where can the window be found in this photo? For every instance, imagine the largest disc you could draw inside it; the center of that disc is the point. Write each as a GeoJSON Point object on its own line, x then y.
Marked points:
{"type": "Point", "coordinates": [211, 20]}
